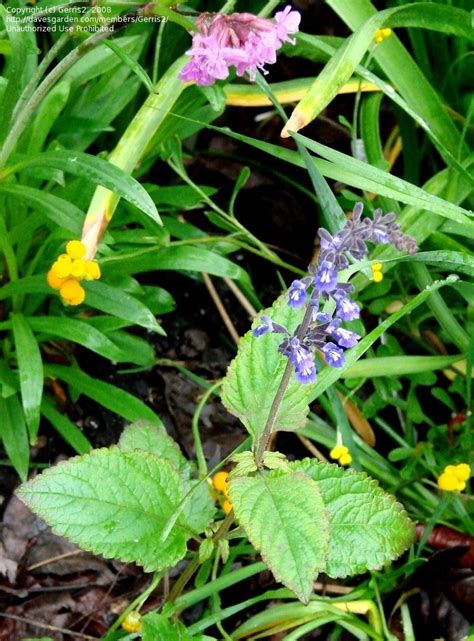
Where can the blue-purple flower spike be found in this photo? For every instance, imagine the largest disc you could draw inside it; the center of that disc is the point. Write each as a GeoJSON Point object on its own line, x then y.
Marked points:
{"type": "Point", "coordinates": [321, 286]}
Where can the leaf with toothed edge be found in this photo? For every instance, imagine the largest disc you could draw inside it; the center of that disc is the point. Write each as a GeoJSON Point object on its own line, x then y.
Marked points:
{"type": "Point", "coordinates": [257, 360]}
{"type": "Point", "coordinates": [368, 526]}
{"type": "Point", "coordinates": [283, 515]}
{"type": "Point", "coordinates": [113, 503]}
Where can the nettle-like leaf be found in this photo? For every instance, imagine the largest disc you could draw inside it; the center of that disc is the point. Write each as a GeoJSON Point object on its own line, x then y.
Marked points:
{"type": "Point", "coordinates": [255, 373]}
{"type": "Point", "coordinates": [156, 626]}
{"type": "Point", "coordinates": [368, 526]}
{"type": "Point", "coordinates": [285, 519]}
{"type": "Point", "coordinates": [198, 509]}
{"type": "Point", "coordinates": [153, 438]}
{"type": "Point", "coordinates": [113, 503]}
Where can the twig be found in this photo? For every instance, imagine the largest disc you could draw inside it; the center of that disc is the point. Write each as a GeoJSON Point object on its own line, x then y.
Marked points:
{"type": "Point", "coordinates": [243, 300]}
{"type": "Point", "coordinates": [51, 628]}
{"type": "Point", "coordinates": [312, 448]}
{"type": "Point", "coordinates": [221, 309]}
{"type": "Point", "coordinates": [53, 559]}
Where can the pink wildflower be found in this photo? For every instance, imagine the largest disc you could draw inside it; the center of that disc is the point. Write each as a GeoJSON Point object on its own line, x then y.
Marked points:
{"type": "Point", "coordinates": [242, 40]}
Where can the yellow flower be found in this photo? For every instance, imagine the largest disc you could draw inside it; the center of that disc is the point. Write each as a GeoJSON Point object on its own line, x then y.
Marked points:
{"type": "Point", "coordinates": [132, 622]}
{"type": "Point", "coordinates": [227, 506]}
{"type": "Point", "coordinates": [92, 270]}
{"type": "Point", "coordinates": [78, 268]}
{"type": "Point", "coordinates": [219, 482]}
{"type": "Point", "coordinates": [382, 34]}
{"type": "Point", "coordinates": [54, 281]}
{"type": "Point", "coordinates": [62, 267]}
{"type": "Point", "coordinates": [377, 274]}
{"type": "Point", "coordinates": [338, 451]}
{"type": "Point", "coordinates": [454, 477]}
{"type": "Point", "coordinates": [341, 454]}
{"type": "Point", "coordinates": [75, 249]}
{"type": "Point", "coordinates": [345, 459]}
{"type": "Point", "coordinates": [462, 471]}
{"type": "Point", "coordinates": [72, 292]}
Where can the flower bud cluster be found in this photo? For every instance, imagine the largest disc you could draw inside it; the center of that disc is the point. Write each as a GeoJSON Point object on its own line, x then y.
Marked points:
{"type": "Point", "coordinates": [241, 40]}
{"type": "Point", "coordinates": [69, 269]}
{"type": "Point", "coordinates": [325, 332]}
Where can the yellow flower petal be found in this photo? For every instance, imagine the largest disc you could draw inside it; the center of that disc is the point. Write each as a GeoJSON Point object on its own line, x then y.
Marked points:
{"type": "Point", "coordinates": [72, 292]}
{"type": "Point", "coordinates": [448, 482]}
{"type": "Point", "coordinates": [462, 471]}
{"type": "Point", "coordinates": [54, 281]}
{"type": "Point", "coordinates": [132, 622]}
{"type": "Point", "coordinates": [227, 507]}
{"type": "Point", "coordinates": [75, 249]}
{"type": "Point", "coordinates": [92, 270]}
{"type": "Point", "coordinates": [78, 268]}
{"type": "Point", "coordinates": [219, 481]}
{"type": "Point", "coordinates": [338, 451]}
{"type": "Point", "coordinates": [345, 459]}
{"type": "Point", "coordinates": [62, 267]}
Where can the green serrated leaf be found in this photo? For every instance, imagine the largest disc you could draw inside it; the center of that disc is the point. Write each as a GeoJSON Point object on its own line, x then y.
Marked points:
{"type": "Point", "coordinates": [112, 503]}
{"type": "Point", "coordinates": [154, 439]}
{"type": "Point", "coordinates": [198, 508]}
{"type": "Point", "coordinates": [156, 626]}
{"type": "Point", "coordinates": [368, 526]}
{"type": "Point", "coordinates": [285, 519]}
{"type": "Point", "coordinates": [258, 360]}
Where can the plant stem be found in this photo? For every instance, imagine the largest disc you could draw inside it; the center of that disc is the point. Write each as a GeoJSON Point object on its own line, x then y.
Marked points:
{"type": "Point", "coordinates": [272, 415]}
{"type": "Point", "coordinates": [200, 458]}
{"type": "Point", "coordinates": [193, 565]}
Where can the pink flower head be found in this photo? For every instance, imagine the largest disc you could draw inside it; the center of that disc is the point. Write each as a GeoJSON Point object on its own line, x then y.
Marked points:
{"type": "Point", "coordinates": [241, 40]}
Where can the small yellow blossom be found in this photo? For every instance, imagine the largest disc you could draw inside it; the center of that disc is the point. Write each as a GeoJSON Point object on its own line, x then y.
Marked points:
{"type": "Point", "coordinates": [377, 275]}
{"type": "Point", "coordinates": [70, 268]}
{"type": "Point", "coordinates": [345, 459]}
{"type": "Point", "coordinates": [219, 482]}
{"type": "Point", "coordinates": [92, 270]}
{"type": "Point", "coordinates": [54, 281]}
{"type": "Point", "coordinates": [72, 292]}
{"type": "Point", "coordinates": [75, 249]}
{"type": "Point", "coordinates": [454, 477]}
{"type": "Point", "coordinates": [132, 622]}
{"type": "Point", "coordinates": [382, 34]}
{"type": "Point", "coordinates": [340, 453]}
{"type": "Point", "coordinates": [227, 506]}
{"type": "Point", "coordinates": [78, 268]}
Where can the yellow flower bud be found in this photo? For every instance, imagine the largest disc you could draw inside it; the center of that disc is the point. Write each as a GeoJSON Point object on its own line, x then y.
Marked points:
{"type": "Point", "coordinates": [377, 267]}
{"type": "Point", "coordinates": [132, 622]}
{"type": "Point", "coordinates": [377, 277]}
{"type": "Point", "coordinates": [54, 281]}
{"type": "Point", "coordinates": [78, 268]}
{"type": "Point", "coordinates": [338, 451]}
{"type": "Point", "coordinates": [72, 292]}
{"type": "Point", "coordinates": [62, 267]}
{"type": "Point", "coordinates": [345, 459]}
{"type": "Point", "coordinates": [462, 471]}
{"type": "Point", "coordinates": [448, 482]}
{"type": "Point", "coordinates": [382, 34]}
{"type": "Point", "coordinates": [92, 270]}
{"type": "Point", "coordinates": [450, 469]}
{"type": "Point", "coordinates": [75, 249]}
{"type": "Point", "coordinates": [227, 506]}
{"type": "Point", "coordinates": [219, 482]}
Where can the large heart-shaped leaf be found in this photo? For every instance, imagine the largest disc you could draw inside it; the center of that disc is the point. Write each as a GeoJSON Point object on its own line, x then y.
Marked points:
{"type": "Point", "coordinates": [113, 503]}
{"type": "Point", "coordinates": [285, 519]}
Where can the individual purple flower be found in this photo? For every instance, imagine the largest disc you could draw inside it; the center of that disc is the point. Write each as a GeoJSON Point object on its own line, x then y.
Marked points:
{"type": "Point", "coordinates": [345, 337]}
{"type": "Point", "coordinates": [242, 40]}
{"type": "Point", "coordinates": [266, 326]}
{"type": "Point", "coordinates": [305, 371]}
{"type": "Point", "coordinates": [326, 277]}
{"type": "Point", "coordinates": [297, 294]}
{"type": "Point", "coordinates": [346, 308]}
{"type": "Point", "coordinates": [333, 355]}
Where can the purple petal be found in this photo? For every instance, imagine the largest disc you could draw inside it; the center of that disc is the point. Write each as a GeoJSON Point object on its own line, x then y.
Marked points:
{"type": "Point", "coordinates": [333, 355]}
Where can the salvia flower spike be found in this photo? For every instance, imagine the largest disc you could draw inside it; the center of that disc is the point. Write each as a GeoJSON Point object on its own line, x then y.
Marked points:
{"type": "Point", "coordinates": [241, 40]}
{"type": "Point", "coordinates": [325, 333]}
